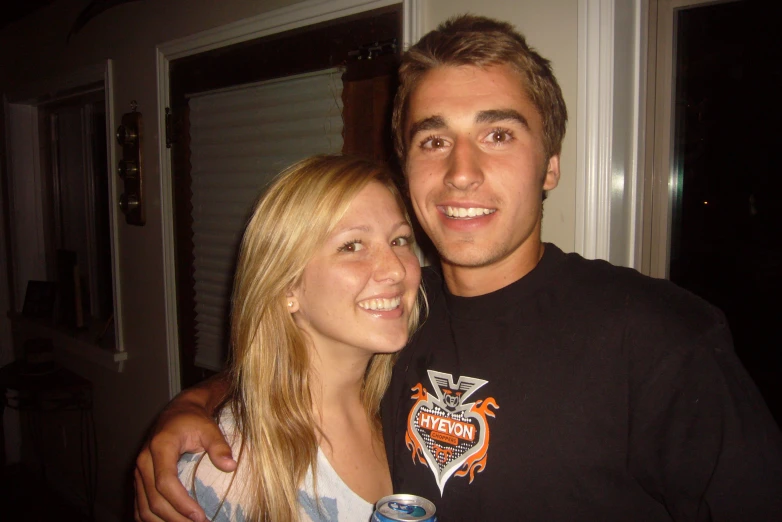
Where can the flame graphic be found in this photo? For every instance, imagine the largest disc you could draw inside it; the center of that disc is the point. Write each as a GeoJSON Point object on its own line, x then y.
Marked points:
{"type": "Point", "coordinates": [412, 444]}
{"type": "Point", "coordinates": [476, 463]}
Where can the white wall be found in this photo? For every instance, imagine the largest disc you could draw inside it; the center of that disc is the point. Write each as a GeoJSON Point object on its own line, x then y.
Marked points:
{"type": "Point", "coordinates": [551, 28]}
{"type": "Point", "coordinates": [24, 165]}
{"type": "Point", "coordinates": [6, 351]}
{"type": "Point", "coordinates": [10, 419]}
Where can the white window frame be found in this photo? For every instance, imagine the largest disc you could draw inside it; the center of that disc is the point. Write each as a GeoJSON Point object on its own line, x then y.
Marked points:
{"type": "Point", "coordinates": [610, 129]}
{"type": "Point", "coordinates": [661, 177]}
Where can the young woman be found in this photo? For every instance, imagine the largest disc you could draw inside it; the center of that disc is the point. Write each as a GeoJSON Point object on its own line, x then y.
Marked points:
{"type": "Point", "coordinates": [326, 291]}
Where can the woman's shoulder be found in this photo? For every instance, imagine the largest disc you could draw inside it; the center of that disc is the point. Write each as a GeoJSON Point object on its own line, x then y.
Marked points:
{"type": "Point", "coordinates": [219, 493]}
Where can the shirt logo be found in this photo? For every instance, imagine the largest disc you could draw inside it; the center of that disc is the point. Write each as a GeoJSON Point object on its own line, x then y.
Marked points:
{"type": "Point", "coordinates": [446, 433]}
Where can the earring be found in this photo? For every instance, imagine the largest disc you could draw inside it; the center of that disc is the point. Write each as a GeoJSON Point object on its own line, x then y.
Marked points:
{"type": "Point", "coordinates": [290, 304]}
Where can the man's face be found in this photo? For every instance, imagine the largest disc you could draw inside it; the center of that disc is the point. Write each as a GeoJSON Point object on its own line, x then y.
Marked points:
{"type": "Point", "coordinates": [476, 166]}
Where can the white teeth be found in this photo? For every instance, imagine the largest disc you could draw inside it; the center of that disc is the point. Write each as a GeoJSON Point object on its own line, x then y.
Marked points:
{"type": "Point", "coordinates": [383, 305]}
{"type": "Point", "coordinates": [462, 212]}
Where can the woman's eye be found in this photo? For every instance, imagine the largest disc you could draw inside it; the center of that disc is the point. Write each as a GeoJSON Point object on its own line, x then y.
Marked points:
{"type": "Point", "coordinates": [352, 246]}
{"type": "Point", "coordinates": [402, 241]}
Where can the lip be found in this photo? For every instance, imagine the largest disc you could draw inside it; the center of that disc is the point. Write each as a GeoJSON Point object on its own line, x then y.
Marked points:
{"type": "Point", "coordinates": [464, 203]}
{"type": "Point", "coordinates": [384, 295]}
{"type": "Point", "coordinates": [442, 205]}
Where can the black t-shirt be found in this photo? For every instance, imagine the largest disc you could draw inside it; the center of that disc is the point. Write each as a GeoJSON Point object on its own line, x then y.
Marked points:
{"type": "Point", "coordinates": [583, 391]}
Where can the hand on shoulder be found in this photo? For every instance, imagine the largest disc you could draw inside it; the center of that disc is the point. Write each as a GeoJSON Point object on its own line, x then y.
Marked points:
{"type": "Point", "coordinates": [185, 426]}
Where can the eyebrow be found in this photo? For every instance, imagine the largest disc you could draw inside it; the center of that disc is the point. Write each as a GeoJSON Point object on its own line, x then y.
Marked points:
{"type": "Point", "coordinates": [493, 116]}
{"type": "Point", "coordinates": [427, 124]}
{"type": "Point", "coordinates": [359, 228]}
{"type": "Point", "coordinates": [366, 229]}
{"type": "Point", "coordinates": [490, 116]}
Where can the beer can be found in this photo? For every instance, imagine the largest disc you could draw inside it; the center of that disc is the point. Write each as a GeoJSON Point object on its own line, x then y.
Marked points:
{"type": "Point", "coordinates": [404, 508]}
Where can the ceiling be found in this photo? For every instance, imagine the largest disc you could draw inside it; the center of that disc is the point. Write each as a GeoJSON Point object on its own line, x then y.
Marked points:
{"type": "Point", "coordinates": [17, 9]}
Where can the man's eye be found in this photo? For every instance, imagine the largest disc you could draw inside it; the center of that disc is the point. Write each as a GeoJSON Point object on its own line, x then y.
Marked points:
{"type": "Point", "coordinates": [433, 142]}
{"type": "Point", "coordinates": [352, 246]}
{"type": "Point", "coordinates": [500, 136]}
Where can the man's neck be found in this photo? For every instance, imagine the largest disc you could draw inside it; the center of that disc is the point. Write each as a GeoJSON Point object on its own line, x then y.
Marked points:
{"type": "Point", "coordinates": [474, 281]}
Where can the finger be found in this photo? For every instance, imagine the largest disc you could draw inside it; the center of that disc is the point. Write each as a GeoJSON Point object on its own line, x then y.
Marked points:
{"type": "Point", "coordinates": [142, 513]}
{"type": "Point", "coordinates": [218, 450]}
{"type": "Point", "coordinates": [136, 485]}
{"type": "Point", "coordinates": [155, 505]}
{"type": "Point", "coordinates": [165, 451]}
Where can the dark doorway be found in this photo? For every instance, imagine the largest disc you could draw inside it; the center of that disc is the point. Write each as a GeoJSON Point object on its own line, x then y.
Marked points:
{"type": "Point", "coordinates": [726, 236]}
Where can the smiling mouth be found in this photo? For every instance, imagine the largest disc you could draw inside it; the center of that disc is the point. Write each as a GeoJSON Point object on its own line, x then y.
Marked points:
{"type": "Point", "coordinates": [471, 212]}
{"type": "Point", "coordinates": [381, 305]}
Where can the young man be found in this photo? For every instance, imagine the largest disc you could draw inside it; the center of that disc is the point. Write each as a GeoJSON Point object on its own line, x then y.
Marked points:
{"type": "Point", "coordinates": [542, 386]}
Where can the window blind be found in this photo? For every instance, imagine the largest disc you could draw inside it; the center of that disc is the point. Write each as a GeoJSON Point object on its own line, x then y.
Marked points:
{"type": "Point", "coordinates": [240, 138]}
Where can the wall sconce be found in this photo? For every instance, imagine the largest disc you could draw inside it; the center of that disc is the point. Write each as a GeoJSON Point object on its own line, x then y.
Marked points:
{"type": "Point", "coordinates": [130, 167]}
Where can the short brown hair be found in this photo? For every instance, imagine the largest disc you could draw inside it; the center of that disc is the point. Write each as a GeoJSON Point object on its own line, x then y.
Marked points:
{"type": "Point", "coordinates": [480, 41]}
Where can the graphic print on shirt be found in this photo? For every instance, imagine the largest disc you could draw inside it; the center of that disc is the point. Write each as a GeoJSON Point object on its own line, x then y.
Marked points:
{"type": "Point", "coordinates": [447, 433]}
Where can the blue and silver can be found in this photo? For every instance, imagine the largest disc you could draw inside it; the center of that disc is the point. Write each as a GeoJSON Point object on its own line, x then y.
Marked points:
{"type": "Point", "coordinates": [404, 508]}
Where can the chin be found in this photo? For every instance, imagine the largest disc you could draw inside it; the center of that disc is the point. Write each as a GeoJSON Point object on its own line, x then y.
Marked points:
{"type": "Point", "coordinates": [473, 257]}
{"type": "Point", "coordinates": [391, 345]}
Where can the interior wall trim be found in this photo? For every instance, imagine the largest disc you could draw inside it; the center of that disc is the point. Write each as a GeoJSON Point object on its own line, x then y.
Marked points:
{"type": "Point", "coordinates": [276, 21]}
{"type": "Point", "coordinates": [610, 122]}
{"type": "Point", "coordinates": [594, 129]}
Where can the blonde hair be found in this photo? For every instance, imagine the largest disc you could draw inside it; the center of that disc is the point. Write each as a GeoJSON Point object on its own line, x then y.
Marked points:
{"type": "Point", "coordinates": [270, 367]}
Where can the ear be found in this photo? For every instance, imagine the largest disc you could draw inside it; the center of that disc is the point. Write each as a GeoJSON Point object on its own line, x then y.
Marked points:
{"type": "Point", "coordinates": [291, 303]}
{"type": "Point", "coordinates": [551, 180]}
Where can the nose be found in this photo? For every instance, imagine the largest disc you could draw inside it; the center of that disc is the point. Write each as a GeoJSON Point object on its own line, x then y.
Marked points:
{"type": "Point", "coordinates": [464, 168]}
{"type": "Point", "coordinates": [388, 266]}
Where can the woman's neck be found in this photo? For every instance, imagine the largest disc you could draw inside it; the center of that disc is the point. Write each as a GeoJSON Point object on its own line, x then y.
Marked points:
{"type": "Point", "coordinates": [336, 382]}
{"type": "Point", "coordinates": [347, 432]}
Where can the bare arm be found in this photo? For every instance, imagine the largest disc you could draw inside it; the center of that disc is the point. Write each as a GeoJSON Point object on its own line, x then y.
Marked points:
{"type": "Point", "coordinates": [184, 426]}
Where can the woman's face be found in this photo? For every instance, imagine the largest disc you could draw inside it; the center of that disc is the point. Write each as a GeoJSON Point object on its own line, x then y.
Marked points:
{"type": "Point", "coordinates": [357, 292]}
